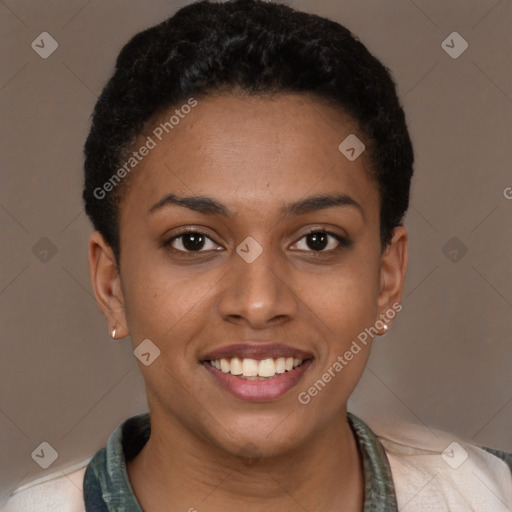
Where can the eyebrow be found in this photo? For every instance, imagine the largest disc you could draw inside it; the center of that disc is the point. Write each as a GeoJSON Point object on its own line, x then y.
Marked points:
{"type": "Point", "coordinates": [210, 206]}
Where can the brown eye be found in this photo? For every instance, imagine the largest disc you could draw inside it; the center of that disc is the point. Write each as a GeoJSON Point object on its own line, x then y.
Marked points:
{"type": "Point", "coordinates": [191, 241]}
{"type": "Point", "coordinates": [317, 241]}
{"type": "Point", "coordinates": [323, 241]}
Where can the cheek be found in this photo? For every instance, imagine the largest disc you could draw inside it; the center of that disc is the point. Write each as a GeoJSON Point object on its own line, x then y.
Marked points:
{"type": "Point", "coordinates": [345, 307]}
{"type": "Point", "coordinates": [344, 300]}
{"type": "Point", "coordinates": [165, 308]}
{"type": "Point", "coordinates": [163, 303]}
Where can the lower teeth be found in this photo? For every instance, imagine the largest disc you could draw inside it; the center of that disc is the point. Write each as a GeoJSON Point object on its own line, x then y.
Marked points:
{"type": "Point", "coordinates": [256, 378]}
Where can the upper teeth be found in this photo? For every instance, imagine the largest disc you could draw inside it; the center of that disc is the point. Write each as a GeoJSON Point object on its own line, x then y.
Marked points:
{"type": "Point", "coordinates": [254, 368]}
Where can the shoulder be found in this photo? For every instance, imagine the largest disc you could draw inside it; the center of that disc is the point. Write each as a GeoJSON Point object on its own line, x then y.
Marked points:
{"type": "Point", "coordinates": [60, 491]}
{"type": "Point", "coordinates": [434, 470]}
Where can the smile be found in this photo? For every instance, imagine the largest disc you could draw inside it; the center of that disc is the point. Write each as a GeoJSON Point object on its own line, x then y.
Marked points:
{"type": "Point", "coordinates": [253, 380]}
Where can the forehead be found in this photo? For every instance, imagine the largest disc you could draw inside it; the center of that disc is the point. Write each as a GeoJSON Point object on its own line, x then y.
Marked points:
{"type": "Point", "coordinates": [253, 150]}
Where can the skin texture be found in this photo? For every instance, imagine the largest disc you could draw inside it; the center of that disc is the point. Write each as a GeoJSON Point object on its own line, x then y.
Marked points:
{"type": "Point", "coordinates": [209, 449]}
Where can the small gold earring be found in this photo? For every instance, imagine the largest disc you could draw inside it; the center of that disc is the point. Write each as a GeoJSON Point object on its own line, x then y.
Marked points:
{"type": "Point", "coordinates": [114, 330]}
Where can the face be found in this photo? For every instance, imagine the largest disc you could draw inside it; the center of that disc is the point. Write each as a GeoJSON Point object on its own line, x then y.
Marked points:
{"type": "Point", "coordinates": [252, 274]}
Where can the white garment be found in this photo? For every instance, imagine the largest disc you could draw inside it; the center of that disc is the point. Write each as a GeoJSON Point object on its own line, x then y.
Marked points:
{"type": "Point", "coordinates": [427, 481]}
{"type": "Point", "coordinates": [57, 492]}
{"type": "Point", "coordinates": [423, 481]}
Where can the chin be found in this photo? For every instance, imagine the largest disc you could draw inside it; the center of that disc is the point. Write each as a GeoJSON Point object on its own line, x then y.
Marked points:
{"type": "Point", "coordinates": [263, 438]}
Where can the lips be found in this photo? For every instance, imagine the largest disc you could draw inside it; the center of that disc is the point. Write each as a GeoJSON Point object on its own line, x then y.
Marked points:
{"type": "Point", "coordinates": [265, 379]}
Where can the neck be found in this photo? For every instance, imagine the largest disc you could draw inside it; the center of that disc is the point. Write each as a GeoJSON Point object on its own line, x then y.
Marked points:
{"type": "Point", "coordinates": [177, 471]}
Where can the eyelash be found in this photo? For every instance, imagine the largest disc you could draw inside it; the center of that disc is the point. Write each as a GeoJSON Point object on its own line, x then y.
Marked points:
{"type": "Point", "coordinates": [343, 242]}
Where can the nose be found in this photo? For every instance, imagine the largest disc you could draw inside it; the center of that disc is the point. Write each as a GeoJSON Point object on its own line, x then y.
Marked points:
{"type": "Point", "coordinates": [259, 293]}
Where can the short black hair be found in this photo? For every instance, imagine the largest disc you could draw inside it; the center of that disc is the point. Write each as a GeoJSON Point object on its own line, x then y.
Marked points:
{"type": "Point", "coordinates": [259, 48]}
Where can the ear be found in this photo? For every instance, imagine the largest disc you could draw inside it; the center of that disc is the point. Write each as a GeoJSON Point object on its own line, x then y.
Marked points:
{"type": "Point", "coordinates": [107, 284]}
{"type": "Point", "coordinates": [393, 269]}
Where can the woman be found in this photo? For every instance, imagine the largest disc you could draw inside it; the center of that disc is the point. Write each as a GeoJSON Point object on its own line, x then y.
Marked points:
{"type": "Point", "coordinates": [247, 172]}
